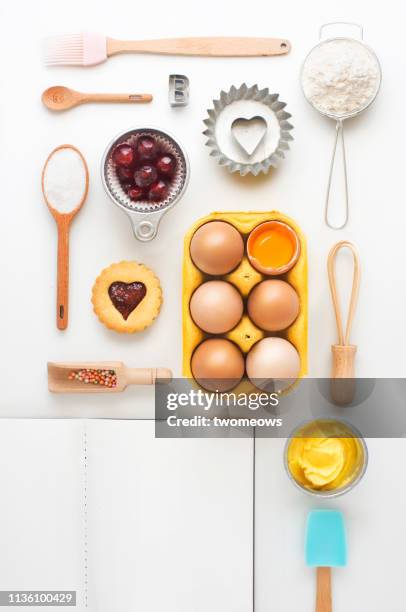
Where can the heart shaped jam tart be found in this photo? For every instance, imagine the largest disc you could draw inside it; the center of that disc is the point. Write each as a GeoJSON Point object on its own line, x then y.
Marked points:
{"type": "Point", "coordinates": [123, 289]}
{"type": "Point", "coordinates": [126, 296]}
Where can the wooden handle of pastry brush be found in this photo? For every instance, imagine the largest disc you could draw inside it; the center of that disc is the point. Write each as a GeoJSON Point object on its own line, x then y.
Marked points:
{"type": "Point", "coordinates": [323, 594]}
{"type": "Point", "coordinates": [62, 299]}
{"type": "Point", "coordinates": [209, 46]}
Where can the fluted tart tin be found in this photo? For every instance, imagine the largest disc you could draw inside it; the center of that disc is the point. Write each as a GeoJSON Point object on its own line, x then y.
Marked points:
{"type": "Point", "coordinates": [234, 123]}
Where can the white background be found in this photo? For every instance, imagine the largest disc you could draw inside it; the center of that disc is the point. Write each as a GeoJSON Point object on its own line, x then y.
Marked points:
{"type": "Point", "coordinates": [102, 234]}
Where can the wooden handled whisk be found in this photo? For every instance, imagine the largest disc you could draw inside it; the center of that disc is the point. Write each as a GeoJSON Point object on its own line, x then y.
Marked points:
{"type": "Point", "coordinates": [343, 353]}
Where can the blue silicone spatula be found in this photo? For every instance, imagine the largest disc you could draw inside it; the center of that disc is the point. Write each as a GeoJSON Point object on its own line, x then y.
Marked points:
{"type": "Point", "coordinates": [326, 547]}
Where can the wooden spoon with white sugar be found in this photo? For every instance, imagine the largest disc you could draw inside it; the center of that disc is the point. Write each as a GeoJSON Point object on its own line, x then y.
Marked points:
{"type": "Point", "coordinates": [65, 183]}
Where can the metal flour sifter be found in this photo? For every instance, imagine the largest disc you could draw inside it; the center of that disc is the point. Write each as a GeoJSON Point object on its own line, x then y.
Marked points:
{"type": "Point", "coordinates": [340, 78]}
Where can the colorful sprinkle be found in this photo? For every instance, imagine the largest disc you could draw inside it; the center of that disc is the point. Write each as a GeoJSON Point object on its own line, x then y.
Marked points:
{"type": "Point", "coordinates": [89, 376]}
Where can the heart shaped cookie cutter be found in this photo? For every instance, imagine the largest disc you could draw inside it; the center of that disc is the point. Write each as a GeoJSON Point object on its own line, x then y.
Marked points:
{"type": "Point", "coordinates": [249, 133]}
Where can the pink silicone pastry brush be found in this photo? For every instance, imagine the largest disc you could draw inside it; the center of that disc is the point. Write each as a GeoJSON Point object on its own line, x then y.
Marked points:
{"type": "Point", "coordinates": [89, 49]}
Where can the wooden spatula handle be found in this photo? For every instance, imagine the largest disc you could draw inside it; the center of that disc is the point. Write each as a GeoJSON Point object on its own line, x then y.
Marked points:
{"type": "Point", "coordinates": [323, 595]}
{"type": "Point", "coordinates": [62, 299]}
{"type": "Point", "coordinates": [210, 46]}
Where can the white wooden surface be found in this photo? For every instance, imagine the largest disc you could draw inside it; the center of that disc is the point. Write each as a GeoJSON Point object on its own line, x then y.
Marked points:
{"type": "Point", "coordinates": [169, 522]}
{"type": "Point", "coordinates": [102, 234]}
{"type": "Point", "coordinates": [128, 521]}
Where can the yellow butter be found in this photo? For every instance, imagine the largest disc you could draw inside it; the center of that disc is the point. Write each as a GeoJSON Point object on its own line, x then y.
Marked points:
{"type": "Point", "coordinates": [324, 455]}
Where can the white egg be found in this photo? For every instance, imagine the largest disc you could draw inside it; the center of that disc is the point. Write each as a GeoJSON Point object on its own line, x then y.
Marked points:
{"type": "Point", "coordinates": [273, 359]}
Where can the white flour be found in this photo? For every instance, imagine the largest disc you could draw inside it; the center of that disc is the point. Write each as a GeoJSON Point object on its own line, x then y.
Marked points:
{"type": "Point", "coordinates": [340, 77]}
{"type": "Point", "coordinates": [65, 180]}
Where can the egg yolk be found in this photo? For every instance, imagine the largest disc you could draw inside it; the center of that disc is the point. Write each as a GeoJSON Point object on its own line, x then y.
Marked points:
{"type": "Point", "coordinates": [273, 247]}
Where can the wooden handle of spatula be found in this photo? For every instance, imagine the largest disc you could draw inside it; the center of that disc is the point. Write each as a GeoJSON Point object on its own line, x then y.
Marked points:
{"type": "Point", "coordinates": [210, 46]}
{"type": "Point", "coordinates": [323, 595]}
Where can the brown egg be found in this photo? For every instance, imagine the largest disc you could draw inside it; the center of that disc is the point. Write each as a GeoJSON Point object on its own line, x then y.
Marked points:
{"type": "Point", "coordinates": [216, 248]}
{"type": "Point", "coordinates": [217, 364]}
{"type": "Point", "coordinates": [216, 307]}
{"type": "Point", "coordinates": [273, 359]}
{"type": "Point", "coordinates": [273, 305]}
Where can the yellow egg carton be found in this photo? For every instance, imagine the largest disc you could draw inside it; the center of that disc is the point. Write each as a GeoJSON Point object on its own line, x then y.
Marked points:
{"type": "Point", "coordinates": [244, 278]}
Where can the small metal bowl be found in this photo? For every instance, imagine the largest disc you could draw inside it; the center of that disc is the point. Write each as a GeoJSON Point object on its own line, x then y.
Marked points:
{"type": "Point", "coordinates": [144, 215]}
{"type": "Point", "coordinates": [334, 492]}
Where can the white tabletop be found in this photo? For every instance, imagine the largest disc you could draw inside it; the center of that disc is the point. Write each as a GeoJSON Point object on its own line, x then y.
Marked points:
{"type": "Point", "coordinates": [102, 234]}
{"type": "Point", "coordinates": [373, 514]}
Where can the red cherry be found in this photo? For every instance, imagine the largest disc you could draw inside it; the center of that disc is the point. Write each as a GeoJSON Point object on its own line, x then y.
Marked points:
{"type": "Point", "coordinates": [166, 165]}
{"type": "Point", "coordinates": [147, 148]}
{"type": "Point", "coordinates": [125, 174]}
{"type": "Point", "coordinates": [158, 191]}
{"type": "Point", "coordinates": [145, 176]}
{"type": "Point", "coordinates": [135, 193]}
{"type": "Point", "coordinates": [123, 155]}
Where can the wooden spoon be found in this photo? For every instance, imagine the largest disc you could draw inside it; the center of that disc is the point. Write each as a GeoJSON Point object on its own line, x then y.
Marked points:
{"type": "Point", "coordinates": [58, 377]}
{"type": "Point", "coordinates": [61, 98]}
{"type": "Point", "coordinates": [63, 216]}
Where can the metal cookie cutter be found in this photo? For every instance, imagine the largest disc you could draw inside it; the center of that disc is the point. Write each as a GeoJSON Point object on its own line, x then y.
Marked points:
{"type": "Point", "coordinates": [178, 90]}
{"type": "Point", "coordinates": [248, 130]}
{"type": "Point", "coordinates": [144, 215]}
